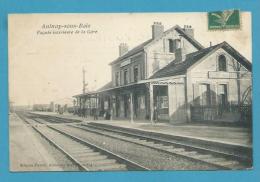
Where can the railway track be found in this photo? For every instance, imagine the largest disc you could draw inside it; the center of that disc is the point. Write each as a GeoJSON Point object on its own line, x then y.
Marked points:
{"type": "Point", "coordinates": [215, 158]}
{"type": "Point", "coordinates": [87, 156]}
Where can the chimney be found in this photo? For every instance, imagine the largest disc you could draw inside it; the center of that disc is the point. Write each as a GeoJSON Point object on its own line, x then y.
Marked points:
{"type": "Point", "coordinates": [189, 30]}
{"type": "Point", "coordinates": [123, 48]}
{"type": "Point", "coordinates": [157, 29]}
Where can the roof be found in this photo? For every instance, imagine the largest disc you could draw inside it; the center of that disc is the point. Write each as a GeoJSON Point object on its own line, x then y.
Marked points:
{"type": "Point", "coordinates": [133, 51]}
{"type": "Point", "coordinates": [180, 68]}
{"type": "Point", "coordinates": [141, 46]}
{"type": "Point", "coordinates": [106, 86]}
{"type": "Point", "coordinates": [189, 38]}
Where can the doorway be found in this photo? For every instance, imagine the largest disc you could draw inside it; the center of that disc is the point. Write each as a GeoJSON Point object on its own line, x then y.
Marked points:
{"type": "Point", "coordinates": [161, 103]}
{"type": "Point", "coordinates": [126, 106]}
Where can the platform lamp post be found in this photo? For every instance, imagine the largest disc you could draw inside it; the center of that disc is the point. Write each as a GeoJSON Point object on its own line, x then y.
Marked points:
{"type": "Point", "coordinates": [113, 100]}
{"type": "Point", "coordinates": [74, 106]}
{"type": "Point", "coordinates": [151, 103]}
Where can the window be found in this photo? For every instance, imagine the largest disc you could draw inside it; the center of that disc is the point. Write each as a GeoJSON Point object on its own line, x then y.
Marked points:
{"type": "Point", "coordinates": [171, 46]}
{"type": "Point", "coordinates": [125, 77]}
{"type": "Point", "coordinates": [117, 79]}
{"type": "Point", "coordinates": [163, 102]}
{"type": "Point", "coordinates": [174, 45]}
{"type": "Point", "coordinates": [141, 102]}
{"type": "Point", "coordinates": [106, 105]}
{"type": "Point", "coordinates": [222, 63]}
{"type": "Point", "coordinates": [136, 74]}
{"type": "Point", "coordinates": [87, 103]}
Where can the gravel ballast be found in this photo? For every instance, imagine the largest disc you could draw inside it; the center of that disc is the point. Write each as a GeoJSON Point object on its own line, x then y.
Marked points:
{"type": "Point", "coordinates": [145, 156]}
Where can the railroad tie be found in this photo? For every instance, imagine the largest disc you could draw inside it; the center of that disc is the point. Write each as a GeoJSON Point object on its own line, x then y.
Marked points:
{"type": "Point", "coordinates": [89, 154]}
{"type": "Point", "coordinates": [148, 143]}
{"type": "Point", "coordinates": [215, 159]}
{"type": "Point", "coordinates": [142, 141]}
{"type": "Point", "coordinates": [134, 139]}
{"type": "Point", "coordinates": [100, 163]}
{"type": "Point", "coordinates": [94, 158]}
{"type": "Point", "coordinates": [178, 150]}
{"type": "Point", "coordinates": [158, 145]}
{"type": "Point", "coordinates": [82, 151]}
{"type": "Point", "coordinates": [203, 156]}
{"type": "Point", "coordinates": [166, 147]}
{"type": "Point", "coordinates": [227, 163]}
{"type": "Point", "coordinates": [110, 167]}
{"type": "Point", "coordinates": [189, 153]}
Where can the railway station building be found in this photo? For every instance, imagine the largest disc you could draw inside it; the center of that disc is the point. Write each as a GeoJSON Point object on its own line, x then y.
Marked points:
{"type": "Point", "coordinates": [173, 78]}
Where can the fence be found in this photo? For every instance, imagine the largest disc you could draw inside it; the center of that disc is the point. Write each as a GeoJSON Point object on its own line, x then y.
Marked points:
{"type": "Point", "coordinates": [240, 113]}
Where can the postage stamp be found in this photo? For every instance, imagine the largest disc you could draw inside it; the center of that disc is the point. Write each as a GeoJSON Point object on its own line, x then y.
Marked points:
{"type": "Point", "coordinates": [221, 20]}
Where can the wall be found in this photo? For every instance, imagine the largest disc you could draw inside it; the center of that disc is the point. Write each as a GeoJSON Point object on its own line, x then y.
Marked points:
{"type": "Point", "coordinates": [136, 60]}
{"type": "Point", "coordinates": [177, 103]}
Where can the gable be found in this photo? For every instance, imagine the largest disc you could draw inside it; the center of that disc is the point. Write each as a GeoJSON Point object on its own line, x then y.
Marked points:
{"type": "Point", "coordinates": [161, 44]}
{"type": "Point", "coordinates": [147, 43]}
{"type": "Point", "coordinates": [233, 57]}
{"type": "Point", "coordinates": [159, 52]}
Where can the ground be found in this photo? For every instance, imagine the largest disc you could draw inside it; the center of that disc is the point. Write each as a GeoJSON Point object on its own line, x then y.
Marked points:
{"type": "Point", "coordinates": [28, 152]}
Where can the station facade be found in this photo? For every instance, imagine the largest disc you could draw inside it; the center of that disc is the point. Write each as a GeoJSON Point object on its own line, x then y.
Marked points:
{"type": "Point", "coordinates": [173, 78]}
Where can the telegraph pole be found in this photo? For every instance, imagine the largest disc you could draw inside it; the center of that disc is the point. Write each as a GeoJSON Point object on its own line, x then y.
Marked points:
{"type": "Point", "coordinates": [84, 81]}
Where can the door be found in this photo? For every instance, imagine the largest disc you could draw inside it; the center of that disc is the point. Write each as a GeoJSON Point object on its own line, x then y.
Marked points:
{"type": "Point", "coordinates": [161, 103]}
{"type": "Point", "coordinates": [222, 98]}
{"type": "Point", "coordinates": [205, 95]}
{"type": "Point", "coordinates": [205, 102]}
{"type": "Point", "coordinates": [135, 107]}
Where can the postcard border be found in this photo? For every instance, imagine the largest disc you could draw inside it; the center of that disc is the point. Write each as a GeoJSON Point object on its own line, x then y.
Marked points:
{"type": "Point", "coordinates": [103, 6]}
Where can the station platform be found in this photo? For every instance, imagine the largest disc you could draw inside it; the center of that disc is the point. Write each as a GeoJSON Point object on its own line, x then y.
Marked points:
{"type": "Point", "coordinates": [209, 132]}
{"type": "Point", "coordinates": [26, 152]}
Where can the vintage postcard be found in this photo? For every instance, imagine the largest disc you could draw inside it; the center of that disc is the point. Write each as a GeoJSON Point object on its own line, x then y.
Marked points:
{"type": "Point", "coordinates": [130, 91]}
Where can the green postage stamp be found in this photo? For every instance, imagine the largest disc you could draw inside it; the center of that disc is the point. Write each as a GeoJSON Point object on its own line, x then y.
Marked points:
{"type": "Point", "coordinates": [222, 20]}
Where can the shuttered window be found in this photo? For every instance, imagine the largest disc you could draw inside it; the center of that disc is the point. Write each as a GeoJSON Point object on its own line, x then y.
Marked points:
{"type": "Point", "coordinates": [205, 99]}
{"type": "Point", "coordinates": [171, 46]}
{"type": "Point", "coordinates": [117, 78]}
{"type": "Point", "coordinates": [126, 76]}
{"type": "Point", "coordinates": [222, 94]}
{"type": "Point", "coordinates": [136, 73]}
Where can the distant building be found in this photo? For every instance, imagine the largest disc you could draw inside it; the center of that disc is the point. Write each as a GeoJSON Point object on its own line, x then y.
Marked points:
{"type": "Point", "coordinates": [52, 107]}
{"type": "Point", "coordinates": [14, 108]}
{"type": "Point", "coordinates": [172, 77]}
{"type": "Point", "coordinates": [63, 105]}
{"type": "Point", "coordinates": [41, 107]}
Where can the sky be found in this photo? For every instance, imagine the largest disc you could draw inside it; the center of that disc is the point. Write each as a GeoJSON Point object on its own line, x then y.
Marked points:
{"type": "Point", "coordinates": [48, 67]}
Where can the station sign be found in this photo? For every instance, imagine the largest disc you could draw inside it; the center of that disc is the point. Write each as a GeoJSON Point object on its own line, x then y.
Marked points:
{"type": "Point", "coordinates": [127, 62]}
